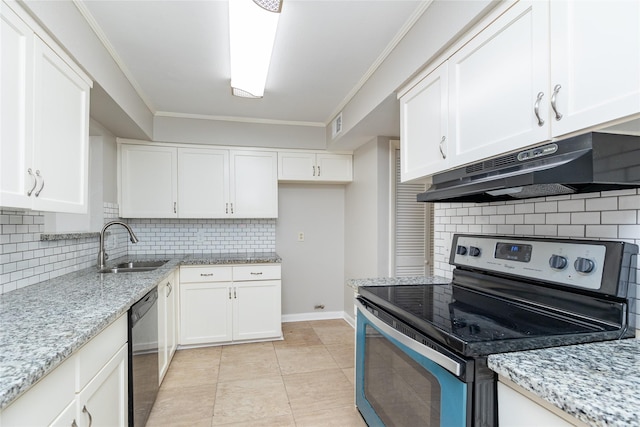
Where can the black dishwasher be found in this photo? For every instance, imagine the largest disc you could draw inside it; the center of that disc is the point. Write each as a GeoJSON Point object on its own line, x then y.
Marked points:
{"type": "Point", "coordinates": [143, 358]}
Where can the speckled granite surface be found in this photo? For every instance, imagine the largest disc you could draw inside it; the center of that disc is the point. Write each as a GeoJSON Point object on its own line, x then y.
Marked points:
{"type": "Point", "coordinates": [67, 236]}
{"type": "Point", "coordinates": [394, 281]}
{"type": "Point", "coordinates": [41, 325]}
{"type": "Point", "coordinates": [597, 383]}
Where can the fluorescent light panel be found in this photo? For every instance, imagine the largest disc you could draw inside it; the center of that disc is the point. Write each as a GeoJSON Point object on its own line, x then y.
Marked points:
{"type": "Point", "coordinates": [252, 32]}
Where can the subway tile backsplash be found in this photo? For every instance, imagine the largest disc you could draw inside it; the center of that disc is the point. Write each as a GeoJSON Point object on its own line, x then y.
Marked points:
{"type": "Point", "coordinates": [26, 260]}
{"type": "Point", "coordinates": [613, 215]}
{"type": "Point", "coordinates": [202, 236]}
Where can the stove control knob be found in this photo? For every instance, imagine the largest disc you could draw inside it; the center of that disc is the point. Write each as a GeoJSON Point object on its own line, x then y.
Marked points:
{"type": "Point", "coordinates": [584, 265]}
{"type": "Point", "coordinates": [461, 250]}
{"type": "Point", "coordinates": [473, 251]}
{"type": "Point", "coordinates": [558, 262]}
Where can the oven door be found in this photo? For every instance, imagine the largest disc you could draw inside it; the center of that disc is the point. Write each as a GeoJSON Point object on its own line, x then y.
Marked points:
{"type": "Point", "coordinates": [402, 382]}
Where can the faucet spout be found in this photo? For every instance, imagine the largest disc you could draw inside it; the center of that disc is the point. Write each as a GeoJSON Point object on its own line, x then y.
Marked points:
{"type": "Point", "coordinates": [102, 255]}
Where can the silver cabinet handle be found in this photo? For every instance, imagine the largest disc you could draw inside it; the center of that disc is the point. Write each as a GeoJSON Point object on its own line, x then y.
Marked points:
{"type": "Point", "coordinates": [318, 170]}
{"type": "Point", "coordinates": [86, 411]}
{"type": "Point", "coordinates": [226, 208]}
{"type": "Point", "coordinates": [169, 289]}
{"type": "Point", "coordinates": [235, 295]}
{"type": "Point", "coordinates": [74, 424]}
{"type": "Point", "coordinates": [175, 207]}
{"type": "Point", "coordinates": [35, 181]}
{"type": "Point", "coordinates": [554, 105]}
{"type": "Point", "coordinates": [256, 274]}
{"type": "Point", "coordinates": [206, 274]}
{"type": "Point", "coordinates": [443, 153]}
{"type": "Point", "coordinates": [232, 208]}
{"type": "Point", "coordinates": [536, 108]}
{"type": "Point", "coordinates": [314, 170]}
{"type": "Point", "coordinates": [229, 293]}
{"type": "Point", "coordinates": [42, 185]}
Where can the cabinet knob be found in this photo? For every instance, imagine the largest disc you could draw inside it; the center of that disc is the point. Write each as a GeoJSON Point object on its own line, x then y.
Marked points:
{"type": "Point", "coordinates": [554, 105]}
{"type": "Point", "coordinates": [536, 109]}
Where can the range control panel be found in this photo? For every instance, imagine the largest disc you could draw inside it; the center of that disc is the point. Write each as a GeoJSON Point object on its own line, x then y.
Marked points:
{"type": "Point", "coordinates": [573, 263]}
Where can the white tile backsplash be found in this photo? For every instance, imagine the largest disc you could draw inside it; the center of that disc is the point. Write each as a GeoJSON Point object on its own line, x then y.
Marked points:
{"type": "Point", "coordinates": [169, 236]}
{"type": "Point", "coordinates": [26, 260]}
{"type": "Point", "coordinates": [613, 215]}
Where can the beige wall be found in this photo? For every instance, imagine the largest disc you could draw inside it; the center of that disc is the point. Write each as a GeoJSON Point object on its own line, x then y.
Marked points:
{"type": "Point", "coordinates": [367, 216]}
{"type": "Point", "coordinates": [312, 270]}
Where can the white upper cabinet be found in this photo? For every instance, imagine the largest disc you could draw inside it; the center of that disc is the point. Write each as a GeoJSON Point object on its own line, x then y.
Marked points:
{"type": "Point", "coordinates": [309, 166]}
{"type": "Point", "coordinates": [16, 110]}
{"type": "Point", "coordinates": [203, 183]}
{"type": "Point", "coordinates": [166, 181]}
{"type": "Point", "coordinates": [44, 119]}
{"type": "Point", "coordinates": [148, 181]}
{"type": "Point", "coordinates": [254, 184]}
{"type": "Point", "coordinates": [494, 82]}
{"type": "Point", "coordinates": [538, 71]}
{"type": "Point", "coordinates": [424, 130]}
{"type": "Point", "coordinates": [595, 62]}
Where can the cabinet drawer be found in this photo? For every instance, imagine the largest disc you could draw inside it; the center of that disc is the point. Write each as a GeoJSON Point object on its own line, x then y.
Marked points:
{"type": "Point", "coordinates": [256, 272]}
{"type": "Point", "coordinates": [205, 274]}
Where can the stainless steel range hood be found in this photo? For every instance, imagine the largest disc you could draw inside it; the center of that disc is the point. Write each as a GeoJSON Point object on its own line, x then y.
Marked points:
{"type": "Point", "coordinates": [582, 164]}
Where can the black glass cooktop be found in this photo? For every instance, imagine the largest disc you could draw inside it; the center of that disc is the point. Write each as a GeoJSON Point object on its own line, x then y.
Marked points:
{"type": "Point", "coordinates": [474, 323]}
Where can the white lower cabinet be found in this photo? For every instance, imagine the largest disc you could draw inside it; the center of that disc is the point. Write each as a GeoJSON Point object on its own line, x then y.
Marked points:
{"type": "Point", "coordinates": [515, 409]}
{"type": "Point", "coordinates": [167, 331]}
{"type": "Point", "coordinates": [90, 388]}
{"type": "Point", "coordinates": [229, 303]}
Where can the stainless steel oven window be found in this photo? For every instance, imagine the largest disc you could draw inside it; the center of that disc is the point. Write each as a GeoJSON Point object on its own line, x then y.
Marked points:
{"type": "Point", "coordinates": [401, 382]}
{"type": "Point", "coordinates": [399, 389]}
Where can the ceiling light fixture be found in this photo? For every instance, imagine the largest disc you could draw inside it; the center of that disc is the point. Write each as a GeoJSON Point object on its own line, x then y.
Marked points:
{"type": "Point", "coordinates": [252, 31]}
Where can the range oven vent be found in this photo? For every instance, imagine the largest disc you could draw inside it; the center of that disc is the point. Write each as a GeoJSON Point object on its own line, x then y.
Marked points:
{"type": "Point", "coordinates": [492, 163]}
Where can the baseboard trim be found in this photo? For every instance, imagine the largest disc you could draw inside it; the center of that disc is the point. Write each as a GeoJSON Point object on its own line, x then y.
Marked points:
{"type": "Point", "coordinates": [301, 317]}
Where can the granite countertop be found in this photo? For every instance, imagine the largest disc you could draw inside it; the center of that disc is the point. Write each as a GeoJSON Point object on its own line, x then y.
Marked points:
{"type": "Point", "coordinates": [395, 281]}
{"type": "Point", "coordinates": [43, 324]}
{"type": "Point", "coordinates": [597, 383]}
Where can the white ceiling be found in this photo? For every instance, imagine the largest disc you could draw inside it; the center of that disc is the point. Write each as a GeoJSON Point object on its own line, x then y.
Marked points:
{"type": "Point", "coordinates": [176, 54]}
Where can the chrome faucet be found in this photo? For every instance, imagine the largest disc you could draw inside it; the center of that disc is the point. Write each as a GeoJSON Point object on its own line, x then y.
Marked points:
{"type": "Point", "coordinates": [102, 255]}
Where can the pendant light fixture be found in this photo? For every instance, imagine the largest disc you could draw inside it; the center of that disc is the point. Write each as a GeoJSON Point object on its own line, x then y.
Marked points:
{"type": "Point", "coordinates": [252, 32]}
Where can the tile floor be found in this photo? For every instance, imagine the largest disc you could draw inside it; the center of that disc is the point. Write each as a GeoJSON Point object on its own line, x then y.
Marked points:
{"type": "Point", "coordinates": [305, 380]}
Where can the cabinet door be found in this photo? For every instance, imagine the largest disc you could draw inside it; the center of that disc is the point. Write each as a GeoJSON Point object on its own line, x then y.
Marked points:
{"type": "Point", "coordinates": [296, 166]}
{"type": "Point", "coordinates": [68, 417]}
{"type": "Point", "coordinates": [163, 360]}
{"type": "Point", "coordinates": [257, 310]}
{"type": "Point", "coordinates": [494, 82]}
{"type": "Point", "coordinates": [16, 115]}
{"type": "Point", "coordinates": [166, 325]}
{"type": "Point", "coordinates": [61, 134]}
{"type": "Point", "coordinates": [203, 183]}
{"type": "Point", "coordinates": [595, 62]}
{"type": "Point", "coordinates": [205, 313]}
{"type": "Point", "coordinates": [104, 401]}
{"type": "Point", "coordinates": [516, 410]}
{"type": "Point", "coordinates": [148, 181]}
{"type": "Point", "coordinates": [254, 184]}
{"type": "Point", "coordinates": [424, 127]}
{"type": "Point", "coordinates": [172, 327]}
{"type": "Point", "coordinates": [334, 167]}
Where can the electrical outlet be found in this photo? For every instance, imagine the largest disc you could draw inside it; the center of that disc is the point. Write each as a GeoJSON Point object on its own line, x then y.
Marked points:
{"type": "Point", "coordinates": [300, 236]}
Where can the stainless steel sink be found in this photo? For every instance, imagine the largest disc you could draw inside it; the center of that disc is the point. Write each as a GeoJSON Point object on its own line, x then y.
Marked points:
{"type": "Point", "coordinates": [133, 266]}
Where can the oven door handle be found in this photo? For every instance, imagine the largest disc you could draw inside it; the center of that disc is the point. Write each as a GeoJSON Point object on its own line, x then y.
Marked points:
{"type": "Point", "coordinates": [431, 354]}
